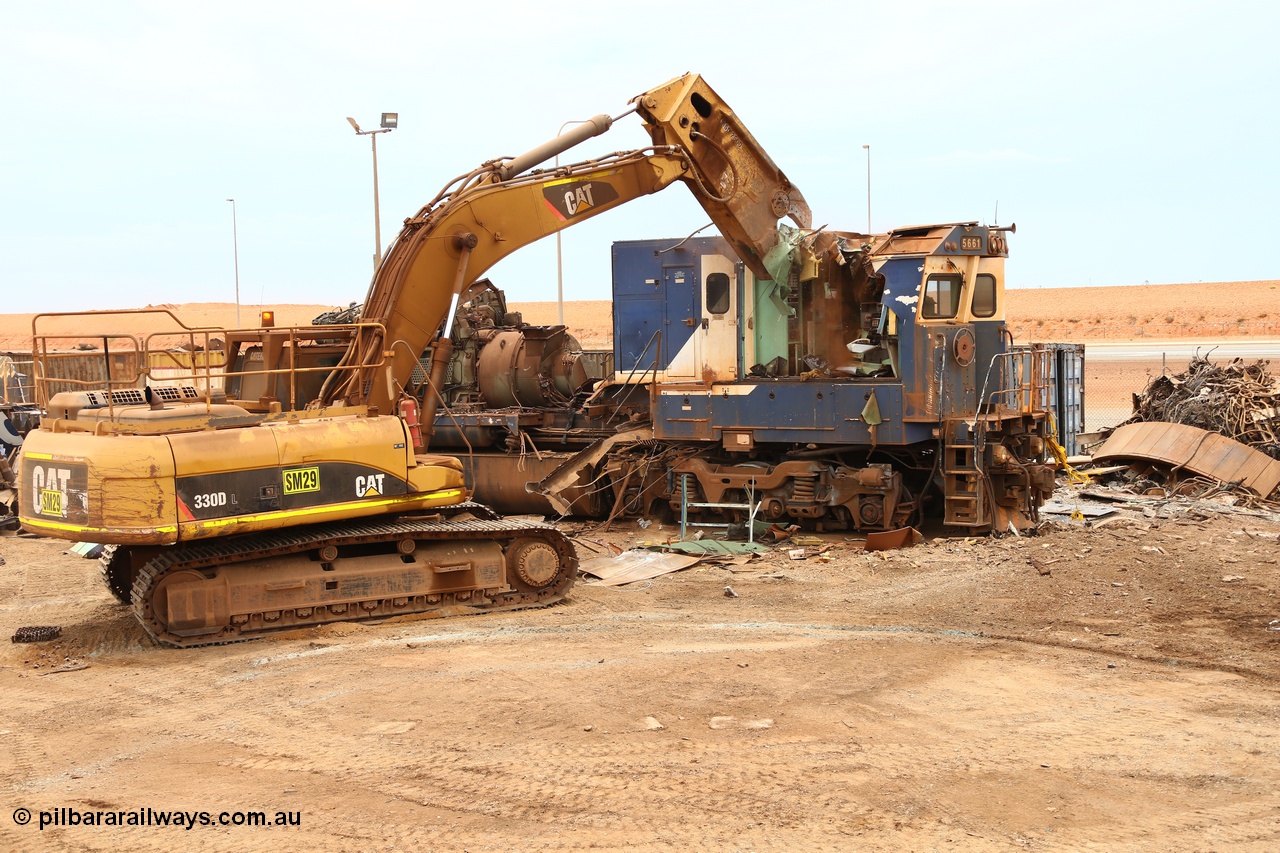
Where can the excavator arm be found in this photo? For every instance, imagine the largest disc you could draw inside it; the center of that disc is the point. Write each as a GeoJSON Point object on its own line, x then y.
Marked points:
{"type": "Point", "coordinates": [497, 209]}
{"type": "Point", "coordinates": [444, 250]}
{"type": "Point", "coordinates": [734, 180]}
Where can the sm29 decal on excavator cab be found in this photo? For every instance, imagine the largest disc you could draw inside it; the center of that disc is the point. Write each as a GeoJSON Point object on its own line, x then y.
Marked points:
{"type": "Point", "coordinates": [49, 489]}
{"type": "Point", "coordinates": [298, 480]}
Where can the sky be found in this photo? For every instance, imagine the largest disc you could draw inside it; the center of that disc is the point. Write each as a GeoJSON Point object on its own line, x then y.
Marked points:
{"type": "Point", "coordinates": [1128, 141]}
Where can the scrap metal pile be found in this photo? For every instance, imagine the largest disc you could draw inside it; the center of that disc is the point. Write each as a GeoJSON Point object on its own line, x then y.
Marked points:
{"type": "Point", "coordinates": [1238, 400]}
{"type": "Point", "coordinates": [1210, 434]}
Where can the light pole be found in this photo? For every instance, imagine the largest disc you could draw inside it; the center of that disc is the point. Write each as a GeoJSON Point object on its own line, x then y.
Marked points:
{"type": "Point", "coordinates": [235, 247]}
{"type": "Point", "coordinates": [559, 251]}
{"type": "Point", "coordinates": [389, 122]}
{"type": "Point", "coordinates": [868, 150]}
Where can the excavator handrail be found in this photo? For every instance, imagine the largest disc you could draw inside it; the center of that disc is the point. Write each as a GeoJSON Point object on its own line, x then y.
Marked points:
{"type": "Point", "coordinates": [131, 360]}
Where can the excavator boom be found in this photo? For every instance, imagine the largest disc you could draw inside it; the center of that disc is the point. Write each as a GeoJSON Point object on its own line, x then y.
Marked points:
{"type": "Point", "coordinates": [443, 250]}
{"type": "Point", "coordinates": [733, 178]}
{"type": "Point", "coordinates": [496, 210]}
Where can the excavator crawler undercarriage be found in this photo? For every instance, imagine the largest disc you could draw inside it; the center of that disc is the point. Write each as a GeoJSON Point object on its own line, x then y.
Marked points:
{"type": "Point", "coordinates": [243, 587]}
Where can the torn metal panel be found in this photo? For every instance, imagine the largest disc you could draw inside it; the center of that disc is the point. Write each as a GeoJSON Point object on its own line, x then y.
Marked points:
{"type": "Point", "coordinates": [555, 486]}
{"type": "Point", "coordinates": [903, 537]}
{"type": "Point", "coordinates": [714, 548]}
{"type": "Point", "coordinates": [630, 566]}
{"type": "Point", "coordinates": [1196, 450]}
{"type": "Point", "coordinates": [1087, 510]}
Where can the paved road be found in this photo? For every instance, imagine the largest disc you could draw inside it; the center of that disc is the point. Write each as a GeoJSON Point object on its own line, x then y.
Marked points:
{"type": "Point", "coordinates": [1182, 350]}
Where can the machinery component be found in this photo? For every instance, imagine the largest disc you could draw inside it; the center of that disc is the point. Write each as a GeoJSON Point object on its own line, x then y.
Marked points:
{"type": "Point", "coordinates": [962, 347]}
{"type": "Point", "coordinates": [10, 443]}
{"type": "Point", "coordinates": [115, 565]}
{"type": "Point", "coordinates": [529, 367]}
{"type": "Point", "coordinates": [249, 586]}
{"type": "Point", "coordinates": [891, 389]}
{"type": "Point", "coordinates": [36, 634]}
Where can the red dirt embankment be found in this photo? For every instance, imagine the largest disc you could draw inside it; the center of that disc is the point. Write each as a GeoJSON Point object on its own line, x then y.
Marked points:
{"type": "Point", "coordinates": [1210, 309]}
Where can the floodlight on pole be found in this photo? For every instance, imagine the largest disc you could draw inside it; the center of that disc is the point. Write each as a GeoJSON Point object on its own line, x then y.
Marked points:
{"type": "Point", "coordinates": [559, 250]}
{"type": "Point", "coordinates": [389, 123]}
{"type": "Point", "coordinates": [235, 248]}
{"type": "Point", "coordinates": [868, 150]}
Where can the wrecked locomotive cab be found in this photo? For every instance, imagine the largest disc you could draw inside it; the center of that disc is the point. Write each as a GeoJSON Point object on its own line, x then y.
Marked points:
{"type": "Point", "coordinates": [867, 382]}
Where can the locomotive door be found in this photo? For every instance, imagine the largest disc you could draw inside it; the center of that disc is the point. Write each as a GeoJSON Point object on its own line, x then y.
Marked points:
{"type": "Point", "coordinates": [682, 321]}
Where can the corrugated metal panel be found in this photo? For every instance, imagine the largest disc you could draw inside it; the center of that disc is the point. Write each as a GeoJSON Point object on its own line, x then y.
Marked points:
{"type": "Point", "coordinates": [179, 359]}
{"type": "Point", "coordinates": [80, 371]}
{"type": "Point", "coordinates": [1067, 396]}
{"type": "Point", "coordinates": [90, 371]}
{"type": "Point", "coordinates": [1196, 450]}
{"type": "Point", "coordinates": [180, 368]}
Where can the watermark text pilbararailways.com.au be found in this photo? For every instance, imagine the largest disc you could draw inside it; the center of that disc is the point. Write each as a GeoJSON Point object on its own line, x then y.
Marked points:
{"type": "Point", "coordinates": [65, 816]}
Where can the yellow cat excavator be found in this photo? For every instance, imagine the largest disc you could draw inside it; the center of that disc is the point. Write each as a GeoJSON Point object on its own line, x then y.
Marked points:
{"type": "Point", "coordinates": [278, 491]}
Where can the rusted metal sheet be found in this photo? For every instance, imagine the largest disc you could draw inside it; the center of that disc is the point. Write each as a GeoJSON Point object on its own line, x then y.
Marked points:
{"type": "Point", "coordinates": [630, 566]}
{"type": "Point", "coordinates": [888, 540]}
{"type": "Point", "coordinates": [498, 479]}
{"type": "Point", "coordinates": [1196, 450]}
{"type": "Point", "coordinates": [79, 371]}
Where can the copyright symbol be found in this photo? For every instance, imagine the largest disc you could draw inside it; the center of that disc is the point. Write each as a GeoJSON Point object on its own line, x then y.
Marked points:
{"type": "Point", "coordinates": [22, 817]}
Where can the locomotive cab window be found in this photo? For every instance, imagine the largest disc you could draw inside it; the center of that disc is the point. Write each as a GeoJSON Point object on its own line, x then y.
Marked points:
{"type": "Point", "coordinates": [717, 301]}
{"type": "Point", "coordinates": [984, 295]}
{"type": "Point", "coordinates": [941, 297]}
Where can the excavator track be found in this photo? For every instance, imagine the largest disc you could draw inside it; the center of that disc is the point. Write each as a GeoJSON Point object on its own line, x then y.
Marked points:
{"type": "Point", "coordinates": [241, 588]}
{"type": "Point", "coordinates": [113, 564]}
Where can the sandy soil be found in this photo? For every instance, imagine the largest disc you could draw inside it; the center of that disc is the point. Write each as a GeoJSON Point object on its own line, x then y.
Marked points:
{"type": "Point", "coordinates": [1109, 688]}
{"type": "Point", "coordinates": [1062, 314]}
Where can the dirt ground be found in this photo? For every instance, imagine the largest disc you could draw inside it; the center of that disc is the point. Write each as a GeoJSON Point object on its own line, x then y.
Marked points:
{"type": "Point", "coordinates": [1115, 687]}
{"type": "Point", "coordinates": [1111, 687]}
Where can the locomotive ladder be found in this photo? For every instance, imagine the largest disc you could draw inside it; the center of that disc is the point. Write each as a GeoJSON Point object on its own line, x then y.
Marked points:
{"type": "Point", "coordinates": [964, 484]}
{"type": "Point", "coordinates": [752, 506]}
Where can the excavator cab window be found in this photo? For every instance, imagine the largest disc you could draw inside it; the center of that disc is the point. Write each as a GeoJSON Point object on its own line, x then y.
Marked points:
{"type": "Point", "coordinates": [941, 297]}
{"type": "Point", "coordinates": [717, 301]}
{"type": "Point", "coordinates": [984, 295]}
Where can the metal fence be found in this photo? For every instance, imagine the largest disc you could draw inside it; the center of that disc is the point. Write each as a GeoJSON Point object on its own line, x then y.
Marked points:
{"type": "Point", "coordinates": [1084, 330]}
{"type": "Point", "coordinates": [1110, 386]}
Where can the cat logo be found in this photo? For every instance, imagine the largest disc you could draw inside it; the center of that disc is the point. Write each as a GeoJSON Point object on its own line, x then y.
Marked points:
{"type": "Point", "coordinates": [368, 487]}
{"type": "Point", "coordinates": [568, 199]}
{"type": "Point", "coordinates": [579, 199]}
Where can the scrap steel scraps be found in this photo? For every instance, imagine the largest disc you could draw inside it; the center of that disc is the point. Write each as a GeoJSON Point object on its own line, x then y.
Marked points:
{"type": "Point", "coordinates": [1238, 400]}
